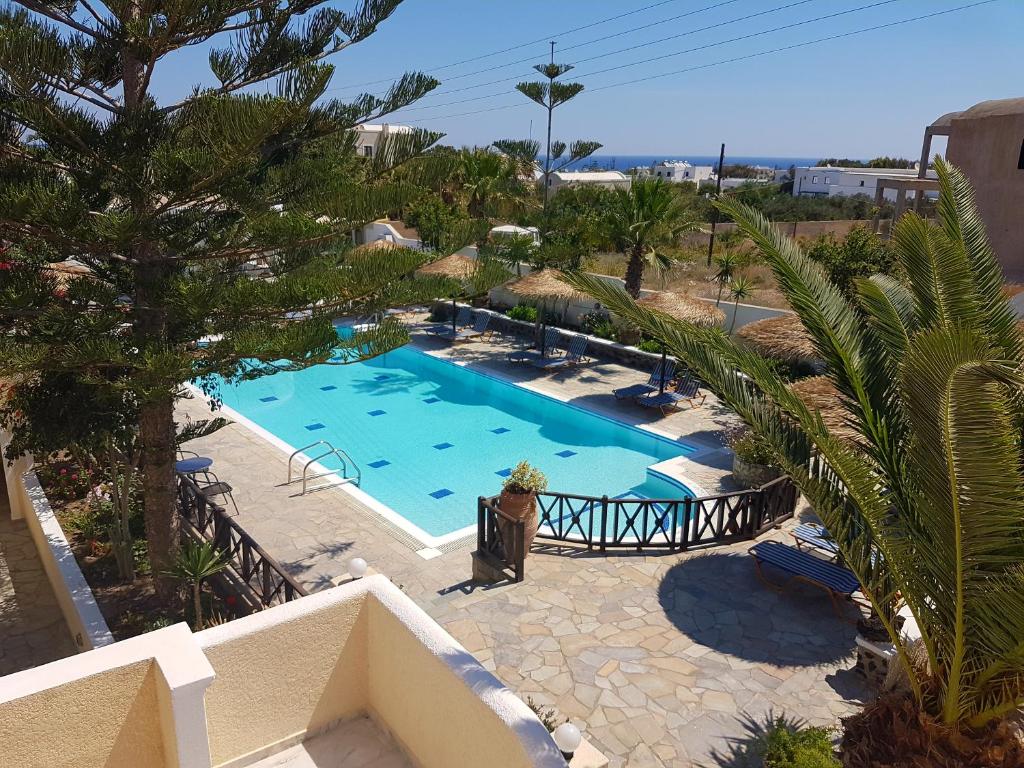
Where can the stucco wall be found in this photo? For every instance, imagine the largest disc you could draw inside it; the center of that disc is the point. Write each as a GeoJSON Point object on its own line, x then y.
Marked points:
{"type": "Point", "coordinates": [988, 149]}
{"type": "Point", "coordinates": [439, 703]}
{"type": "Point", "coordinates": [109, 719]}
{"type": "Point", "coordinates": [280, 673]}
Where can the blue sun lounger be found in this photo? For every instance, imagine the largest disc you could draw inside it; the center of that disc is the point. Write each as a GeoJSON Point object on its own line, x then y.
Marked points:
{"type": "Point", "coordinates": [815, 536]}
{"type": "Point", "coordinates": [462, 319]}
{"type": "Point", "coordinates": [573, 356]}
{"type": "Point", "coordinates": [653, 383]}
{"type": "Point", "coordinates": [481, 327]}
{"type": "Point", "coordinates": [551, 337]}
{"type": "Point", "coordinates": [803, 566]}
{"type": "Point", "coordinates": [688, 391]}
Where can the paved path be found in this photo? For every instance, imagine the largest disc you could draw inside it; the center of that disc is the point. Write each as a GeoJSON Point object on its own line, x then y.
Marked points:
{"type": "Point", "coordinates": [660, 659]}
{"type": "Point", "coordinates": [32, 628]}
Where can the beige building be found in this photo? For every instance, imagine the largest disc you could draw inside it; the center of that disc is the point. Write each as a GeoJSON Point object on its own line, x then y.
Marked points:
{"type": "Point", "coordinates": [987, 143]}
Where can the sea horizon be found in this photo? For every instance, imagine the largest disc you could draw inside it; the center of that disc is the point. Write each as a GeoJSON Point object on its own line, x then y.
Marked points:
{"type": "Point", "coordinates": [625, 162]}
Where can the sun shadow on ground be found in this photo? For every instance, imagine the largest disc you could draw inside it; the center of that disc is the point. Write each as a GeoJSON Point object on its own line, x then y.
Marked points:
{"type": "Point", "coordinates": [718, 601]}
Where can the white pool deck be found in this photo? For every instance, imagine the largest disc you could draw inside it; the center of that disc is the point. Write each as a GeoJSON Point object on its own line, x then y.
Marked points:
{"type": "Point", "coordinates": [658, 658]}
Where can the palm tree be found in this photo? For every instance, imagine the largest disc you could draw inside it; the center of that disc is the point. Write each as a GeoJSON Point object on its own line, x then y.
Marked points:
{"type": "Point", "coordinates": [487, 180]}
{"type": "Point", "coordinates": [642, 222]}
{"type": "Point", "coordinates": [926, 505]}
{"type": "Point", "coordinates": [739, 289]}
{"type": "Point", "coordinates": [726, 264]}
{"type": "Point", "coordinates": [195, 563]}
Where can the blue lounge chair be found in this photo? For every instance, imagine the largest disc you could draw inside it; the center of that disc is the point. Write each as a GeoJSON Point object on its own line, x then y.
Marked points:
{"type": "Point", "coordinates": [481, 327]}
{"type": "Point", "coordinates": [816, 537]}
{"type": "Point", "coordinates": [551, 337]}
{"type": "Point", "coordinates": [834, 579]}
{"type": "Point", "coordinates": [687, 391]}
{"type": "Point", "coordinates": [462, 319]}
{"type": "Point", "coordinates": [573, 356]}
{"type": "Point", "coordinates": [653, 383]}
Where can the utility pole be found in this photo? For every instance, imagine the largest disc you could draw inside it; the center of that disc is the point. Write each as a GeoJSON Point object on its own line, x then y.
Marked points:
{"type": "Point", "coordinates": [714, 211]}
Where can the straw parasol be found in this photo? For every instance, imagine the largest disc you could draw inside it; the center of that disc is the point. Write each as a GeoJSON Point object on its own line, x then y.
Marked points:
{"type": "Point", "coordinates": [454, 267]}
{"type": "Point", "coordinates": [820, 394]}
{"type": "Point", "coordinates": [679, 306]}
{"type": "Point", "coordinates": [782, 338]}
{"type": "Point", "coordinates": [379, 245]}
{"type": "Point", "coordinates": [542, 286]}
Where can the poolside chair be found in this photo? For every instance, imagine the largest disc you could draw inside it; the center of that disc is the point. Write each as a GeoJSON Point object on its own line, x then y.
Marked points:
{"type": "Point", "coordinates": [687, 391]}
{"type": "Point", "coordinates": [462, 319]}
{"type": "Point", "coordinates": [573, 356]}
{"type": "Point", "coordinates": [481, 328]}
{"type": "Point", "coordinates": [816, 537]}
{"type": "Point", "coordinates": [551, 337]}
{"type": "Point", "coordinates": [653, 383]}
{"type": "Point", "coordinates": [837, 581]}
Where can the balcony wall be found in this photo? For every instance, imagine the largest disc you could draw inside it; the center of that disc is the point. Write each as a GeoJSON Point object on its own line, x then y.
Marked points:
{"type": "Point", "coordinates": [238, 692]}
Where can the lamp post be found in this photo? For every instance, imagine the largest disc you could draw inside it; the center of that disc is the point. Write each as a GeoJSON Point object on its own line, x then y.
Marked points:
{"type": "Point", "coordinates": [567, 738]}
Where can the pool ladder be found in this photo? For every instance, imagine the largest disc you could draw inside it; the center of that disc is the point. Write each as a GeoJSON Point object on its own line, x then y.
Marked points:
{"type": "Point", "coordinates": [338, 453]}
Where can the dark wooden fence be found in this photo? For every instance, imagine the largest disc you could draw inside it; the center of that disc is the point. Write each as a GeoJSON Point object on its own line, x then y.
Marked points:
{"type": "Point", "coordinates": [674, 525]}
{"type": "Point", "coordinates": [500, 539]}
{"type": "Point", "coordinates": [251, 569]}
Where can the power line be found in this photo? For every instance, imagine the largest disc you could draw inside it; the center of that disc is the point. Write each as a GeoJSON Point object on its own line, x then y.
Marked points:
{"type": "Point", "coordinates": [519, 45]}
{"type": "Point", "coordinates": [704, 47]}
{"type": "Point", "coordinates": [694, 12]}
{"type": "Point", "coordinates": [780, 49]}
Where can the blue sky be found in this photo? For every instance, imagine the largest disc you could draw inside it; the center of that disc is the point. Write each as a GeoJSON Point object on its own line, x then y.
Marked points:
{"type": "Point", "coordinates": [860, 96]}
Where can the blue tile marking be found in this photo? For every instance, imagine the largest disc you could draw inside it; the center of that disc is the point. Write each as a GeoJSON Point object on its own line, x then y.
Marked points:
{"type": "Point", "coordinates": [501, 430]}
{"type": "Point", "coordinates": [432, 400]}
{"type": "Point", "coordinates": [440, 494]}
{"type": "Point", "coordinates": [328, 388]}
{"type": "Point", "coordinates": [566, 454]}
{"type": "Point", "coordinates": [376, 413]}
{"type": "Point", "coordinates": [504, 472]}
{"type": "Point", "coordinates": [442, 446]}
{"type": "Point", "coordinates": [312, 427]}
{"type": "Point", "coordinates": [379, 463]}
{"type": "Point", "coordinates": [268, 399]}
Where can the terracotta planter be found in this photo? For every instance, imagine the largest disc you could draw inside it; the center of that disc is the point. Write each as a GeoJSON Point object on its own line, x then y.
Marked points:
{"type": "Point", "coordinates": [748, 475]}
{"type": "Point", "coordinates": [519, 506]}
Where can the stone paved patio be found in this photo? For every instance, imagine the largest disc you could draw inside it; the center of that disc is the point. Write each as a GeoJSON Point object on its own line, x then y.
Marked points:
{"type": "Point", "coordinates": [32, 627]}
{"type": "Point", "coordinates": [658, 658]}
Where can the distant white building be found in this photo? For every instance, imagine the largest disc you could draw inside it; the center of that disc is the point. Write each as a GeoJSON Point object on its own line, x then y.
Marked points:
{"type": "Point", "coordinates": [609, 179]}
{"type": "Point", "coordinates": [368, 137]}
{"type": "Point", "coordinates": [678, 171]}
{"type": "Point", "coordinates": [831, 181]}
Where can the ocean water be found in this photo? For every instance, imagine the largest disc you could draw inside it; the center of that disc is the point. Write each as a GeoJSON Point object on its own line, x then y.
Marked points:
{"type": "Point", "coordinates": [431, 436]}
{"type": "Point", "coordinates": [625, 162]}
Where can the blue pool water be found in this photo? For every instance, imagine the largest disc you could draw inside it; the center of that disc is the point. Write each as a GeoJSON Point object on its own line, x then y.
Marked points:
{"type": "Point", "coordinates": [431, 436]}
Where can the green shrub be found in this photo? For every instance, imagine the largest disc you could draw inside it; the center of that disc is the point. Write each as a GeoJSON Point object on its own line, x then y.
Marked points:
{"type": "Point", "coordinates": [791, 745]}
{"type": "Point", "coordinates": [752, 448]}
{"type": "Point", "coordinates": [525, 479]}
{"type": "Point", "coordinates": [523, 312]}
{"type": "Point", "coordinates": [649, 345]}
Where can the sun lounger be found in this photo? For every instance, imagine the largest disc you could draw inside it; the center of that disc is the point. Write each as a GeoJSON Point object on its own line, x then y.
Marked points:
{"type": "Point", "coordinates": [573, 356]}
{"type": "Point", "coordinates": [462, 319]}
{"type": "Point", "coordinates": [688, 391]}
{"type": "Point", "coordinates": [803, 566]}
{"type": "Point", "coordinates": [816, 537]}
{"type": "Point", "coordinates": [481, 327]}
{"type": "Point", "coordinates": [653, 383]}
{"type": "Point", "coordinates": [551, 336]}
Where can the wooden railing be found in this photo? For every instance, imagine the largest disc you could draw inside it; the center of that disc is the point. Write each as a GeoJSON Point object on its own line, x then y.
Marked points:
{"type": "Point", "coordinates": [676, 525]}
{"type": "Point", "coordinates": [251, 569]}
{"type": "Point", "coordinates": [500, 539]}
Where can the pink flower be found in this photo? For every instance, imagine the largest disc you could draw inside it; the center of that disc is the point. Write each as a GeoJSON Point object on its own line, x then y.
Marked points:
{"type": "Point", "coordinates": [63, 471]}
{"type": "Point", "coordinates": [74, 477]}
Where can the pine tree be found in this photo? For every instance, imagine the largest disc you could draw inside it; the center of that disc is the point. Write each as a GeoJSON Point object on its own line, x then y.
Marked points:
{"type": "Point", "coordinates": [224, 216]}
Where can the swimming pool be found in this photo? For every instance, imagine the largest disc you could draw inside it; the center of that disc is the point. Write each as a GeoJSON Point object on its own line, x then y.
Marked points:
{"type": "Point", "coordinates": [430, 436]}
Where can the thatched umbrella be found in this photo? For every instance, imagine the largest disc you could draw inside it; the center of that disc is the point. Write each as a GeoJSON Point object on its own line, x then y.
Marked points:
{"type": "Point", "coordinates": [679, 306]}
{"type": "Point", "coordinates": [542, 286]}
{"type": "Point", "coordinates": [379, 245]}
{"type": "Point", "coordinates": [820, 394]}
{"type": "Point", "coordinates": [782, 338]}
{"type": "Point", "coordinates": [66, 271]}
{"type": "Point", "coordinates": [454, 267]}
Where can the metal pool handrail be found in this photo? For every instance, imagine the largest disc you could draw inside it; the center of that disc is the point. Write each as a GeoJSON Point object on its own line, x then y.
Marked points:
{"type": "Point", "coordinates": [339, 453]}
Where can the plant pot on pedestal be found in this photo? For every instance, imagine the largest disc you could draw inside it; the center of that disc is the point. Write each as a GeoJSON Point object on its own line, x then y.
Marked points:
{"type": "Point", "coordinates": [747, 474]}
{"type": "Point", "coordinates": [518, 500]}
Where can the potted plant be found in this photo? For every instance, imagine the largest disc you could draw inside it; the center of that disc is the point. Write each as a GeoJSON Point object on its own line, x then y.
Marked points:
{"type": "Point", "coordinates": [518, 500]}
{"type": "Point", "coordinates": [752, 460]}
